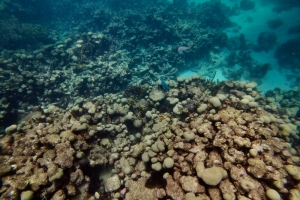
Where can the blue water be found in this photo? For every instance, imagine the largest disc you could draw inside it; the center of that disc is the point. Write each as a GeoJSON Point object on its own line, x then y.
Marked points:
{"type": "Point", "coordinates": [251, 23]}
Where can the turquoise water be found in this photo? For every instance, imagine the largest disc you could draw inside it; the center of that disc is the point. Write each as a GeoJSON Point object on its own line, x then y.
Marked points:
{"type": "Point", "coordinates": [251, 23]}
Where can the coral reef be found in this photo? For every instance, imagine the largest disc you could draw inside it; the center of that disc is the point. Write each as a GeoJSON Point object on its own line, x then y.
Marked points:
{"type": "Point", "coordinates": [113, 48]}
{"type": "Point", "coordinates": [275, 23]}
{"type": "Point", "coordinates": [285, 53]}
{"type": "Point", "coordinates": [265, 41]}
{"type": "Point", "coordinates": [121, 53]}
{"type": "Point", "coordinates": [94, 108]}
{"type": "Point", "coordinates": [229, 144]}
{"type": "Point", "coordinates": [17, 35]}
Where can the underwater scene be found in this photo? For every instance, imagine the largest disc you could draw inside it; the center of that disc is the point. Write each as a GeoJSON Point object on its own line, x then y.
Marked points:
{"type": "Point", "coordinates": [149, 100]}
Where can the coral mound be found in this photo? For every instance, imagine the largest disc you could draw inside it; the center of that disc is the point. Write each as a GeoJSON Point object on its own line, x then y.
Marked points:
{"type": "Point", "coordinates": [105, 148]}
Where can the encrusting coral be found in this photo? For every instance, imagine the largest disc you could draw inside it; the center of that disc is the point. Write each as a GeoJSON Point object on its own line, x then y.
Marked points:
{"type": "Point", "coordinates": [104, 149]}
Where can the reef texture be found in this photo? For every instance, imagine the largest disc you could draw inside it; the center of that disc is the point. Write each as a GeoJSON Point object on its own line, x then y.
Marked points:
{"type": "Point", "coordinates": [214, 141]}
{"type": "Point", "coordinates": [117, 45]}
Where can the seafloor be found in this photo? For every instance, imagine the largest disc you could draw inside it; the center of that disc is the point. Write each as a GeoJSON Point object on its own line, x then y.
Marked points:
{"type": "Point", "coordinates": [142, 100]}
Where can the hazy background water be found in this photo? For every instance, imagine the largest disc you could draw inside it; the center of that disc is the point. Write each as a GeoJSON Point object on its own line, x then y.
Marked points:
{"type": "Point", "coordinates": [254, 21]}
